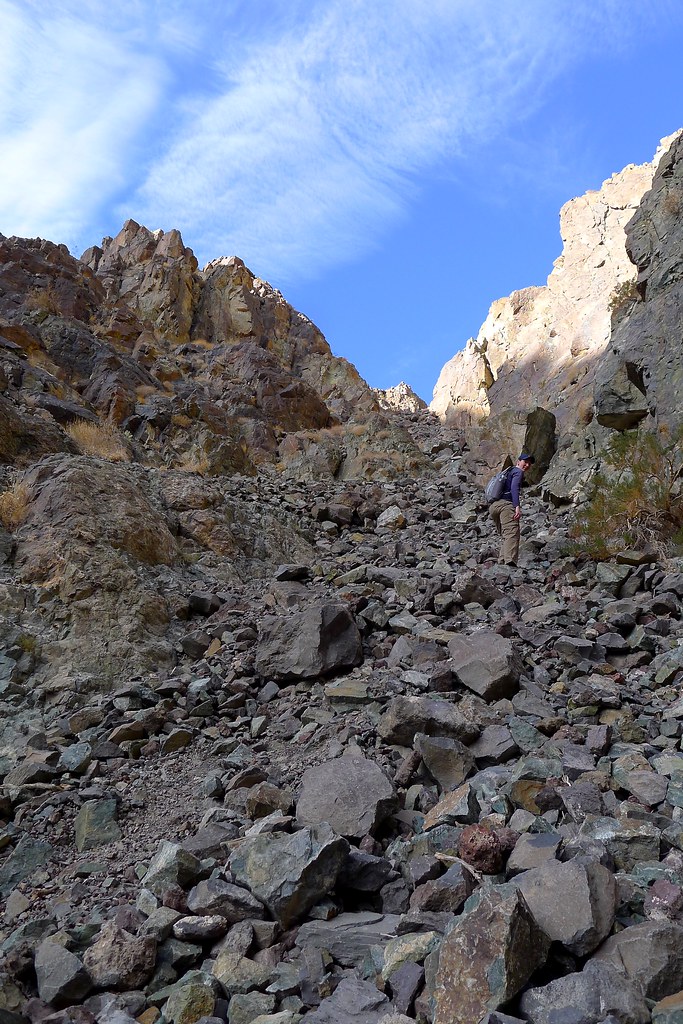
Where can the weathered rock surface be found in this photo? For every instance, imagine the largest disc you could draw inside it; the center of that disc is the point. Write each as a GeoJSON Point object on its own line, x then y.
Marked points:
{"type": "Point", "coordinates": [589, 348]}
{"type": "Point", "coordinates": [350, 793]}
{"type": "Point", "coordinates": [486, 957]}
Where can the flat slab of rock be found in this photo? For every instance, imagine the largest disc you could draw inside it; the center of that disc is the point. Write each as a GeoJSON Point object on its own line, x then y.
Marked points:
{"type": "Point", "coordinates": [348, 937]}
{"type": "Point", "coordinates": [487, 956]}
{"type": "Point", "coordinates": [290, 873]}
{"type": "Point", "coordinates": [486, 663]}
{"type": "Point", "coordinates": [319, 639]}
{"type": "Point", "coordinates": [351, 793]}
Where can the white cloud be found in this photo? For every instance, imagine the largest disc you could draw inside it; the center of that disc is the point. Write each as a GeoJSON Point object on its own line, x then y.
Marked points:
{"type": "Point", "coordinates": [316, 137]}
{"type": "Point", "coordinates": [287, 132]}
{"type": "Point", "coordinates": [73, 100]}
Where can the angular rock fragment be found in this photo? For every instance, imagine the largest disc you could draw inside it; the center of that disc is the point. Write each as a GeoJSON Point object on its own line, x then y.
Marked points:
{"type": "Point", "coordinates": [486, 663]}
{"type": "Point", "coordinates": [649, 954]}
{"type": "Point", "coordinates": [118, 960]}
{"type": "Point", "coordinates": [574, 903]}
{"type": "Point", "coordinates": [406, 716]}
{"type": "Point", "coordinates": [62, 979]}
{"type": "Point", "coordinates": [290, 873]}
{"type": "Point", "coordinates": [587, 997]}
{"type": "Point", "coordinates": [320, 639]}
{"type": "Point", "coordinates": [487, 956]}
{"type": "Point", "coordinates": [351, 793]}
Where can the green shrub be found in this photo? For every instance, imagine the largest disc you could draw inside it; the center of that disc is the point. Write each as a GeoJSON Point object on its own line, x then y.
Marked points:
{"type": "Point", "coordinates": [637, 501]}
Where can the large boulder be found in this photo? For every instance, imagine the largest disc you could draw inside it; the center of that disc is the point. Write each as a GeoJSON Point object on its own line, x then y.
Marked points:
{"type": "Point", "coordinates": [315, 641]}
{"type": "Point", "coordinates": [290, 873]}
{"type": "Point", "coordinates": [62, 979]}
{"type": "Point", "coordinates": [351, 793]}
{"type": "Point", "coordinates": [120, 961]}
{"type": "Point", "coordinates": [592, 996]}
{"type": "Point", "coordinates": [574, 902]}
{"type": "Point", "coordinates": [649, 954]}
{"type": "Point", "coordinates": [486, 663]}
{"type": "Point", "coordinates": [487, 956]}
{"type": "Point", "coordinates": [407, 716]}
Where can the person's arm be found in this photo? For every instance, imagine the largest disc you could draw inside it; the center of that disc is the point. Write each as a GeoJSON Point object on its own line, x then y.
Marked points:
{"type": "Point", "coordinates": [515, 485]}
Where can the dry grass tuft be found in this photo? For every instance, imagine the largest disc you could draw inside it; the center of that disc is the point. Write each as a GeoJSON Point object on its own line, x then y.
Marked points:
{"type": "Point", "coordinates": [14, 504]}
{"type": "Point", "coordinates": [44, 300]}
{"type": "Point", "coordinates": [101, 439]}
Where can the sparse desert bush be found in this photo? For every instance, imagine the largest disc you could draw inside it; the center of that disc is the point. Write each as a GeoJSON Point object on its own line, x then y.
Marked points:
{"type": "Point", "coordinates": [44, 300]}
{"type": "Point", "coordinates": [102, 439]}
{"type": "Point", "coordinates": [194, 461]}
{"type": "Point", "coordinates": [638, 502]}
{"type": "Point", "coordinates": [623, 294]}
{"type": "Point", "coordinates": [14, 504]}
{"type": "Point", "coordinates": [672, 203]}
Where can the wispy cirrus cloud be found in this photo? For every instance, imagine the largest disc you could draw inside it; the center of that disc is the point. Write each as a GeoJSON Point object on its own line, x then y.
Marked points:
{"type": "Point", "coordinates": [289, 133]}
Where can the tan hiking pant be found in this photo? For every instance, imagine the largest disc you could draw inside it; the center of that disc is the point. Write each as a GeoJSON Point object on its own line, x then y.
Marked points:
{"type": "Point", "coordinates": [503, 514]}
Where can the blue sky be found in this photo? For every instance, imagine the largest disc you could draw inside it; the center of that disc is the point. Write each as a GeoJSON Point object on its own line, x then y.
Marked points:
{"type": "Point", "coordinates": [392, 166]}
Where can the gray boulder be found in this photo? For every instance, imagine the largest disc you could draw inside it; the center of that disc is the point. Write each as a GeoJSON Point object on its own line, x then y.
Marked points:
{"type": "Point", "coordinates": [353, 1002]}
{"type": "Point", "coordinates": [290, 872]}
{"type": "Point", "coordinates": [231, 902]}
{"type": "Point", "coordinates": [487, 956]}
{"type": "Point", "coordinates": [349, 937]}
{"type": "Point", "coordinates": [486, 663]}
{"type": "Point", "coordinates": [62, 979]}
{"type": "Point", "coordinates": [649, 954]}
{"type": "Point", "coordinates": [574, 903]}
{"type": "Point", "coordinates": [317, 640]}
{"type": "Point", "coordinates": [407, 716]}
{"type": "Point", "coordinates": [588, 997]}
{"type": "Point", "coordinates": [350, 792]}
{"type": "Point", "coordinates": [448, 761]}
{"type": "Point", "coordinates": [170, 865]}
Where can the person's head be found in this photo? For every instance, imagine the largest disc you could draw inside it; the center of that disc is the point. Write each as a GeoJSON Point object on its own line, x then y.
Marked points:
{"type": "Point", "coordinates": [524, 461]}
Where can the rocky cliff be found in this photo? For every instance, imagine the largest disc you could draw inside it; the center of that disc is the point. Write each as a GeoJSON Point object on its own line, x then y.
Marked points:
{"type": "Point", "coordinates": [208, 368]}
{"type": "Point", "coordinates": [555, 348]}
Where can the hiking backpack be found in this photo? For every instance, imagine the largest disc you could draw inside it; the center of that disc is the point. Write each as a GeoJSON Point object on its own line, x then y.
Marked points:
{"type": "Point", "coordinates": [496, 485]}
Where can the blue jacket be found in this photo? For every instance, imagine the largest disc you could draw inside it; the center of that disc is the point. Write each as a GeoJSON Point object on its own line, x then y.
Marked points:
{"type": "Point", "coordinates": [512, 486]}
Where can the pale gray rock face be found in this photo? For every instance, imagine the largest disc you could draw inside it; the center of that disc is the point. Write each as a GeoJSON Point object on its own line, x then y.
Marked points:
{"type": "Point", "coordinates": [401, 397]}
{"type": "Point", "coordinates": [320, 639]}
{"type": "Point", "coordinates": [350, 793]}
{"type": "Point", "coordinates": [584, 331]}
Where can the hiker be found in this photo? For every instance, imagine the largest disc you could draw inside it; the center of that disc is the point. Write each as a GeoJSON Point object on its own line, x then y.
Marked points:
{"type": "Point", "coordinates": [506, 512]}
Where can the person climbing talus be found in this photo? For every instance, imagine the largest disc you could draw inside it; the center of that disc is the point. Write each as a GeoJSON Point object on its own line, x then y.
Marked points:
{"type": "Point", "coordinates": [506, 511]}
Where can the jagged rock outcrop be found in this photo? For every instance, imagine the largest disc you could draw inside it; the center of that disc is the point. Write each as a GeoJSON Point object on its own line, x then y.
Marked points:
{"type": "Point", "coordinates": [400, 397]}
{"type": "Point", "coordinates": [211, 369]}
{"type": "Point", "coordinates": [545, 348]}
